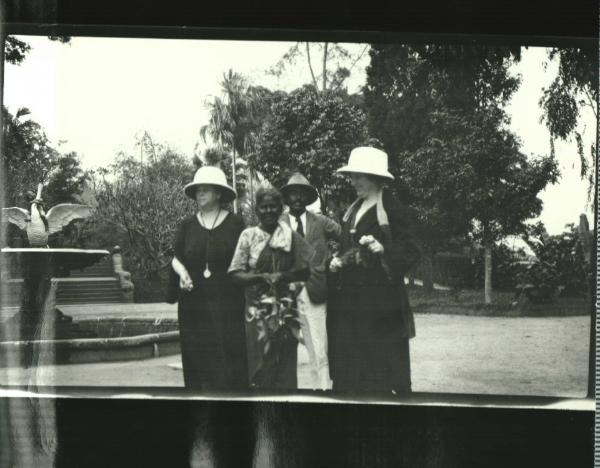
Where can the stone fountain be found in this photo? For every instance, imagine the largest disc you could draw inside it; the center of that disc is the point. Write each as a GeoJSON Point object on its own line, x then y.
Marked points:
{"type": "Point", "coordinates": [39, 333]}
{"type": "Point", "coordinates": [38, 319]}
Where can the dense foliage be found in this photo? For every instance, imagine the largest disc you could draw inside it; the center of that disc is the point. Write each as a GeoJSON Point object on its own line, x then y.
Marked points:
{"type": "Point", "coordinates": [145, 203]}
{"type": "Point", "coordinates": [574, 89]}
{"type": "Point", "coordinates": [313, 133]}
{"type": "Point", "coordinates": [29, 159]}
{"type": "Point", "coordinates": [559, 267]}
{"type": "Point", "coordinates": [438, 110]}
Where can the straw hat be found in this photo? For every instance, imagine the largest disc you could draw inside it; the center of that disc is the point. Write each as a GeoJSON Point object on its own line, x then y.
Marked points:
{"type": "Point", "coordinates": [210, 175]}
{"type": "Point", "coordinates": [298, 180]}
{"type": "Point", "coordinates": [367, 160]}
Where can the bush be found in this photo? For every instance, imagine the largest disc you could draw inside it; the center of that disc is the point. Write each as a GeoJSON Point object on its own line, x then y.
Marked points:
{"type": "Point", "coordinates": [559, 268]}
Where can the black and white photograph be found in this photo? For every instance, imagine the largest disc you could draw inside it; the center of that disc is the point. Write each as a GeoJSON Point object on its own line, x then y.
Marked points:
{"type": "Point", "coordinates": [345, 220]}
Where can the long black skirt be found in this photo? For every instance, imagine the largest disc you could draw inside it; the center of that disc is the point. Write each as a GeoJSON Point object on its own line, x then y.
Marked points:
{"type": "Point", "coordinates": [213, 341]}
{"type": "Point", "coordinates": [368, 349]}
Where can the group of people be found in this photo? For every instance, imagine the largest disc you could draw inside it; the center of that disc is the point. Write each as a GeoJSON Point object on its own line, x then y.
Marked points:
{"type": "Point", "coordinates": [353, 310]}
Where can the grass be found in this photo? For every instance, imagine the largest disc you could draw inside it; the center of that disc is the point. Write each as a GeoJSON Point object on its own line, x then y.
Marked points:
{"type": "Point", "coordinates": [471, 302]}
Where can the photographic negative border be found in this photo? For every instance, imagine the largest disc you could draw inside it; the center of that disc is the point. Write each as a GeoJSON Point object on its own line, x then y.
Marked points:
{"type": "Point", "coordinates": [253, 34]}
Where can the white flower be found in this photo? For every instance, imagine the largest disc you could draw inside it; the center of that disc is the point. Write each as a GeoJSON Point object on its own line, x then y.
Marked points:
{"type": "Point", "coordinates": [366, 240]}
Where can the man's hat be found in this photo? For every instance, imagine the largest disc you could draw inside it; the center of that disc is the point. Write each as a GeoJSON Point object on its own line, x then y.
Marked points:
{"type": "Point", "coordinates": [297, 180]}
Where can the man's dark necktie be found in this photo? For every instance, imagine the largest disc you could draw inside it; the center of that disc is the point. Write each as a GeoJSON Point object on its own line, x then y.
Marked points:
{"type": "Point", "coordinates": [299, 227]}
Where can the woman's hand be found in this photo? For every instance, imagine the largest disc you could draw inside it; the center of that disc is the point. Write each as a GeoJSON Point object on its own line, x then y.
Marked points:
{"type": "Point", "coordinates": [273, 278]}
{"type": "Point", "coordinates": [335, 264]}
{"type": "Point", "coordinates": [185, 282]}
{"type": "Point", "coordinates": [372, 244]}
{"type": "Point", "coordinates": [376, 247]}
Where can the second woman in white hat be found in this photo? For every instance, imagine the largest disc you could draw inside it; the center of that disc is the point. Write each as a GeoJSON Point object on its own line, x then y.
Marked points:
{"type": "Point", "coordinates": [211, 307]}
{"type": "Point", "coordinates": [369, 317]}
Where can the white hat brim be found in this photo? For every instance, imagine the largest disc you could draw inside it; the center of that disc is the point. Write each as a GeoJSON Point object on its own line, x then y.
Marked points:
{"type": "Point", "coordinates": [351, 170]}
{"type": "Point", "coordinates": [228, 192]}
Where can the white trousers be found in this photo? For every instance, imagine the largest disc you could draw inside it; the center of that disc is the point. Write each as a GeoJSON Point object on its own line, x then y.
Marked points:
{"type": "Point", "coordinates": [314, 333]}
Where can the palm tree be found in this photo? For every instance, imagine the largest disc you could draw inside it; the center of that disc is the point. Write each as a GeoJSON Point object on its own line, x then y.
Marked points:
{"type": "Point", "coordinates": [232, 125]}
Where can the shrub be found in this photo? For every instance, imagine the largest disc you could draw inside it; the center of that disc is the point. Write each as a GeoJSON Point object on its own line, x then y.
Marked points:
{"type": "Point", "coordinates": [559, 268]}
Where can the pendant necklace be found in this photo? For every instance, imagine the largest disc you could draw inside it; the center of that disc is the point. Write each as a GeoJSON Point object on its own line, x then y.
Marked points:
{"type": "Point", "coordinates": [207, 273]}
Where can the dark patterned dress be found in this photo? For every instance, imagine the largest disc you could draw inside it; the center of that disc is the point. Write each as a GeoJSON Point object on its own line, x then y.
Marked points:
{"type": "Point", "coordinates": [254, 254]}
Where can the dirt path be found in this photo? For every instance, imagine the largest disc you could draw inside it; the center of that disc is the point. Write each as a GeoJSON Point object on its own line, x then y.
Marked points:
{"type": "Point", "coordinates": [451, 354]}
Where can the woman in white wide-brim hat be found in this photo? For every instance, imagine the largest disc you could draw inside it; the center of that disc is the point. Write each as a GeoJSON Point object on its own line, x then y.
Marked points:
{"type": "Point", "coordinates": [211, 307]}
{"type": "Point", "coordinates": [369, 317]}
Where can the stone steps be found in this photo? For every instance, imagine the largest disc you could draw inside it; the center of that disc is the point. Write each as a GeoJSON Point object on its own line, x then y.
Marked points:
{"type": "Point", "coordinates": [72, 291]}
{"type": "Point", "coordinates": [96, 284]}
{"type": "Point", "coordinates": [100, 269]}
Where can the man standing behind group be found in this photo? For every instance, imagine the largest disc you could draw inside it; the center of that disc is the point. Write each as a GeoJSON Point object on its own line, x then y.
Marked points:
{"type": "Point", "coordinates": [312, 300]}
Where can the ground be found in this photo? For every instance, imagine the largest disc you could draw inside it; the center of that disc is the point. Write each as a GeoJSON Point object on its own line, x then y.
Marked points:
{"type": "Point", "coordinates": [450, 354]}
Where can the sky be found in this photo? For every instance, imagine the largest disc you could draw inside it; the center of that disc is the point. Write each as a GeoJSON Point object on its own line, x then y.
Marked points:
{"type": "Point", "coordinates": [95, 95]}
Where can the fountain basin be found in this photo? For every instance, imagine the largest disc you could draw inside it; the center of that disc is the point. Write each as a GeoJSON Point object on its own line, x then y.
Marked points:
{"type": "Point", "coordinates": [67, 258]}
{"type": "Point", "coordinates": [111, 340]}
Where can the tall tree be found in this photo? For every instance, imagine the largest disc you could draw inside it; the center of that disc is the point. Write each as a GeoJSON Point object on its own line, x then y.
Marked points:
{"type": "Point", "coordinates": [233, 124]}
{"type": "Point", "coordinates": [27, 155]}
{"type": "Point", "coordinates": [313, 133]}
{"type": "Point", "coordinates": [574, 88]}
{"type": "Point", "coordinates": [425, 103]}
{"type": "Point", "coordinates": [329, 64]}
{"type": "Point", "coordinates": [29, 159]}
{"type": "Point", "coordinates": [503, 193]}
{"type": "Point", "coordinates": [16, 50]}
{"type": "Point", "coordinates": [145, 202]}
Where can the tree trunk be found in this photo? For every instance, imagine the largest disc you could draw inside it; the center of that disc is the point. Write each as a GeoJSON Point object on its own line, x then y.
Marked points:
{"type": "Point", "coordinates": [428, 272]}
{"type": "Point", "coordinates": [310, 67]}
{"type": "Point", "coordinates": [589, 260]}
{"type": "Point", "coordinates": [233, 166]}
{"type": "Point", "coordinates": [488, 272]}
{"type": "Point", "coordinates": [325, 47]}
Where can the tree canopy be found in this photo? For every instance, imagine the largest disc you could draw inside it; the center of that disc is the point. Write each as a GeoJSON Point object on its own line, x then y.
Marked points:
{"type": "Point", "coordinates": [574, 88]}
{"type": "Point", "coordinates": [15, 50]}
{"type": "Point", "coordinates": [30, 159]}
{"type": "Point", "coordinates": [439, 112]}
{"type": "Point", "coordinates": [313, 133]}
{"type": "Point", "coordinates": [429, 125]}
{"type": "Point", "coordinates": [146, 202]}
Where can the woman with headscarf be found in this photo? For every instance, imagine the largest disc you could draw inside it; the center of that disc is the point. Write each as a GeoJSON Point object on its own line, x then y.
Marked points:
{"type": "Point", "coordinates": [270, 255]}
{"type": "Point", "coordinates": [211, 307]}
{"type": "Point", "coordinates": [370, 321]}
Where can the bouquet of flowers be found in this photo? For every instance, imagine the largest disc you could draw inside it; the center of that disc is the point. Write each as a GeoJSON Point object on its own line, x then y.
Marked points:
{"type": "Point", "coordinates": [278, 326]}
{"type": "Point", "coordinates": [360, 255]}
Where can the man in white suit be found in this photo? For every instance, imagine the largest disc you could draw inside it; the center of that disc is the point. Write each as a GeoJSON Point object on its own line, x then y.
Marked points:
{"type": "Point", "coordinates": [317, 229]}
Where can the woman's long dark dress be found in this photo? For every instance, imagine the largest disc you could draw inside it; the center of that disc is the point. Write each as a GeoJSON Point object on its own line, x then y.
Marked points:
{"type": "Point", "coordinates": [211, 316]}
{"type": "Point", "coordinates": [369, 320]}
